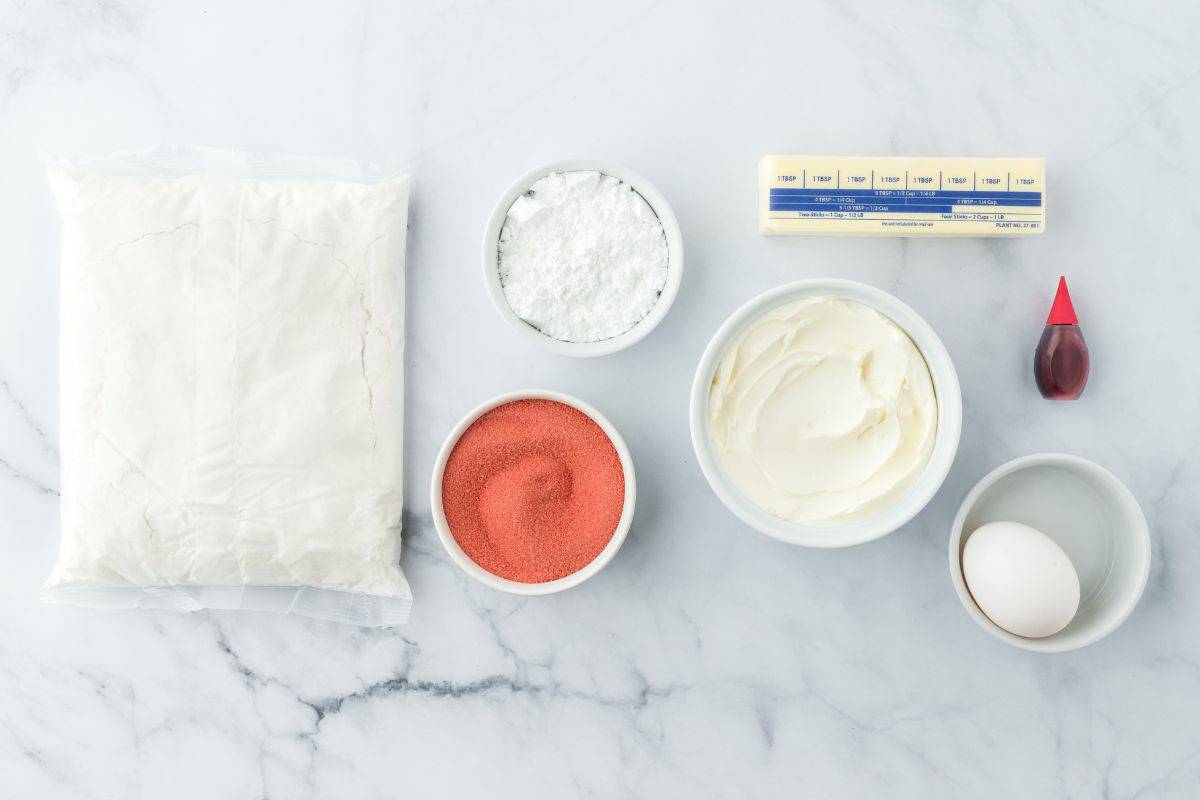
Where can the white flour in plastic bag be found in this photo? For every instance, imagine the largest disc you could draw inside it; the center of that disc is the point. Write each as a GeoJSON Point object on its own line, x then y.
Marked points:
{"type": "Point", "coordinates": [232, 385]}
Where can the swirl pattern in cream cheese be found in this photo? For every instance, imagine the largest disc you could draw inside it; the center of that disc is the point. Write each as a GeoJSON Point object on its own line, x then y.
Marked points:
{"type": "Point", "coordinates": [822, 412]}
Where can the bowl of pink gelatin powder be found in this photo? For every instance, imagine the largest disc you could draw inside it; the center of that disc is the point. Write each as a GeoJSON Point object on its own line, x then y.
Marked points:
{"type": "Point", "coordinates": [533, 492]}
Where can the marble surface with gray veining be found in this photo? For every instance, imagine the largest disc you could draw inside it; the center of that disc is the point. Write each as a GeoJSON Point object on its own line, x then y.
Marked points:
{"type": "Point", "coordinates": [706, 660]}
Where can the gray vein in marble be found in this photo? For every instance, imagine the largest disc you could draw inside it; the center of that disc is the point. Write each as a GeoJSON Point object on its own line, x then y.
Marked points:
{"type": "Point", "coordinates": [26, 479]}
{"type": "Point", "coordinates": [30, 420]}
{"type": "Point", "coordinates": [1155, 104]}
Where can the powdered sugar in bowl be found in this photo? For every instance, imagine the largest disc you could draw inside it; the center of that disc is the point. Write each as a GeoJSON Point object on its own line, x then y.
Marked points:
{"type": "Point", "coordinates": [583, 258]}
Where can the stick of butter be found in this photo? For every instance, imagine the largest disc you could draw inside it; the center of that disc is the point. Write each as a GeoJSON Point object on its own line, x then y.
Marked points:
{"type": "Point", "coordinates": [898, 196]}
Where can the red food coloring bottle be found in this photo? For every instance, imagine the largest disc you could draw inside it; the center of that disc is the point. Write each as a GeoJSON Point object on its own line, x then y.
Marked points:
{"type": "Point", "coordinates": [1060, 363]}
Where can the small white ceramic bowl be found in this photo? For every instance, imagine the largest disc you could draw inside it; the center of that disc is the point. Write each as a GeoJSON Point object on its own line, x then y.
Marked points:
{"type": "Point", "coordinates": [1092, 516]}
{"type": "Point", "coordinates": [491, 256]}
{"type": "Point", "coordinates": [503, 584]}
{"type": "Point", "coordinates": [945, 385]}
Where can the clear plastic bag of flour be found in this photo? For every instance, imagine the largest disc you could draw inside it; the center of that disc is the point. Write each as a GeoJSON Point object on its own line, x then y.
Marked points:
{"type": "Point", "coordinates": [231, 373]}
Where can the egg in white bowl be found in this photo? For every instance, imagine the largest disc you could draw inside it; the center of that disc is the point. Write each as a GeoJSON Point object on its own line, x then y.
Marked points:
{"type": "Point", "coordinates": [1092, 520]}
{"type": "Point", "coordinates": [1021, 579]}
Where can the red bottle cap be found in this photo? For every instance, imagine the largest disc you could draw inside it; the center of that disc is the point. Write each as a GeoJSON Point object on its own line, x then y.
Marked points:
{"type": "Point", "coordinates": [1062, 312]}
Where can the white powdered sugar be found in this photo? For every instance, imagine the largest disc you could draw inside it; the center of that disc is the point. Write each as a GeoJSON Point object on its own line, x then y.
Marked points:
{"type": "Point", "coordinates": [583, 257]}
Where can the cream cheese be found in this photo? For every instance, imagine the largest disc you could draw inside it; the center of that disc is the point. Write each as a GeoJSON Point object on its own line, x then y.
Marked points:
{"type": "Point", "coordinates": [822, 412]}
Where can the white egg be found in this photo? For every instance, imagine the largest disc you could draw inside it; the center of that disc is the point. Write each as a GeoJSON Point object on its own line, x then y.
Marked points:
{"type": "Point", "coordinates": [1021, 579]}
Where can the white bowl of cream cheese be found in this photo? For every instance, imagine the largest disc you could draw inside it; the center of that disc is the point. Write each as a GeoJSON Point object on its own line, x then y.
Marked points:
{"type": "Point", "coordinates": [825, 413]}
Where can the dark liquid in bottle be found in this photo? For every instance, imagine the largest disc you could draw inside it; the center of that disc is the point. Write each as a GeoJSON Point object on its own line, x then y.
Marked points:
{"type": "Point", "coordinates": [1061, 362]}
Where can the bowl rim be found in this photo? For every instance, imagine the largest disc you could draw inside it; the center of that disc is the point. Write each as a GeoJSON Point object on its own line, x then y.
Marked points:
{"type": "Point", "coordinates": [1117, 490]}
{"type": "Point", "coordinates": [465, 563]}
{"type": "Point", "coordinates": [946, 388]}
{"type": "Point", "coordinates": [658, 204]}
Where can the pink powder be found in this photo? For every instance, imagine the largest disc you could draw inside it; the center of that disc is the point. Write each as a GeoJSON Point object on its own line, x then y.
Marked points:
{"type": "Point", "coordinates": [533, 490]}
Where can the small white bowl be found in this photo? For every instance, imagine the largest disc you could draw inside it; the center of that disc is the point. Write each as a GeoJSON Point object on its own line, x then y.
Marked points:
{"type": "Point", "coordinates": [658, 203]}
{"type": "Point", "coordinates": [515, 587]}
{"type": "Point", "coordinates": [945, 385]}
{"type": "Point", "coordinates": [1092, 516]}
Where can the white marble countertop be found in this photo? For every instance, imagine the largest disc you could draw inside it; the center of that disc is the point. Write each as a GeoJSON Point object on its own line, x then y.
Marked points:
{"type": "Point", "coordinates": [707, 660]}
